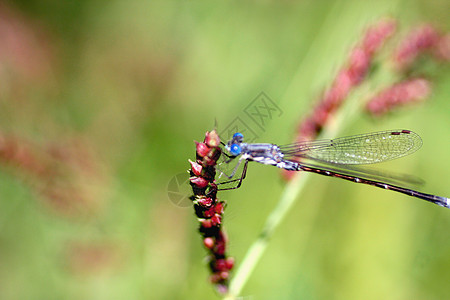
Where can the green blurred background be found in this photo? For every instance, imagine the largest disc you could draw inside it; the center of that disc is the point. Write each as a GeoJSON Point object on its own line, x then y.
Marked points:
{"type": "Point", "coordinates": [100, 104]}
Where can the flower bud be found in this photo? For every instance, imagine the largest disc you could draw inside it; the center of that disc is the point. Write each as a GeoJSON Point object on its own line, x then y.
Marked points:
{"type": "Point", "coordinates": [230, 263]}
{"type": "Point", "coordinates": [212, 139]}
{"type": "Point", "coordinates": [205, 202]}
{"type": "Point", "coordinates": [202, 149]}
{"type": "Point", "coordinates": [216, 220]}
{"type": "Point", "coordinates": [208, 242]}
{"type": "Point", "coordinates": [206, 223]}
{"type": "Point", "coordinates": [196, 167]}
{"type": "Point", "coordinates": [199, 181]}
{"type": "Point", "coordinates": [219, 249]}
{"type": "Point", "coordinates": [220, 265]}
{"type": "Point", "coordinates": [209, 213]}
{"type": "Point", "coordinates": [219, 208]}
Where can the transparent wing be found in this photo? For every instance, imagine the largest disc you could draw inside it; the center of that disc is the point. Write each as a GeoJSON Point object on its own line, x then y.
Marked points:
{"type": "Point", "coordinates": [358, 149]}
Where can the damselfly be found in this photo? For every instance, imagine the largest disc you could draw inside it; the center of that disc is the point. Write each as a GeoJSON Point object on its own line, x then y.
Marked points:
{"type": "Point", "coordinates": [335, 158]}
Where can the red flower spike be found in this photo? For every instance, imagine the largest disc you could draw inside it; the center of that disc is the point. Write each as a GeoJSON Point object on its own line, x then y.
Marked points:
{"type": "Point", "coordinates": [202, 149]}
{"type": "Point", "coordinates": [199, 181]}
{"type": "Point", "coordinates": [409, 91]}
{"type": "Point", "coordinates": [417, 41]}
{"type": "Point", "coordinates": [208, 208]}
{"type": "Point", "coordinates": [196, 168]}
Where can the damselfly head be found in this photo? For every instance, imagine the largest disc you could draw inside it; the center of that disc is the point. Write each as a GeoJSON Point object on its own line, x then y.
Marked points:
{"type": "Point", "coordinates": [233, 146]}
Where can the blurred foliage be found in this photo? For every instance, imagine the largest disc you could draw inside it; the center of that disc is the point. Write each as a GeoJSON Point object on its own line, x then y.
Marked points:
{"type": "Point", "coordinates": [100, 102]}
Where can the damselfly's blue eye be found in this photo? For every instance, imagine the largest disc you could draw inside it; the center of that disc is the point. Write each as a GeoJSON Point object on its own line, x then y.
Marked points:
{"type": "Point", "coordinates": [235, 149]}
{"type": "Point", "coordinates": [238, 135]}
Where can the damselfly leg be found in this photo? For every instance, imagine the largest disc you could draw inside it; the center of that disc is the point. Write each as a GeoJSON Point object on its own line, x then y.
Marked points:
{"type": "Point", "coordinates": [239, 180]}
{"type": "Point", "coordinates": [226, 162]}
